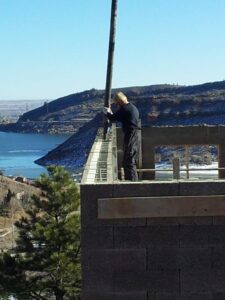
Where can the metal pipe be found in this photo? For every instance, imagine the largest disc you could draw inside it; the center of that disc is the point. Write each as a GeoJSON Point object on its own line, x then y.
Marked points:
{"type": "Point", "coordinates": [110, 62]}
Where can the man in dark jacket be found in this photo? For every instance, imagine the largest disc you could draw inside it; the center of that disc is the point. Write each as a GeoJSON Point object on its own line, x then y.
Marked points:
{"type": "Point", "coordinates": [128, 115]}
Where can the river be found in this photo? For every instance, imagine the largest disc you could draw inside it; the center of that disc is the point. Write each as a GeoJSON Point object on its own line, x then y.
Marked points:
{"type": "Point", "coordinates": [18, 151]}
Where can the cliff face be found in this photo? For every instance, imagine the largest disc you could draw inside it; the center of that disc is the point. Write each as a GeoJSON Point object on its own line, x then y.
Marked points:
{"type": "Point", "coordinates": [158, 105]}
{"type": "Point", "coordinates": [68, 114]}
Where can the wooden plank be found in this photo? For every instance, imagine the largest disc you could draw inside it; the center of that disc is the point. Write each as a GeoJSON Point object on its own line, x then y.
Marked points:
{"type": "Point", "coordinates": [155, 207]}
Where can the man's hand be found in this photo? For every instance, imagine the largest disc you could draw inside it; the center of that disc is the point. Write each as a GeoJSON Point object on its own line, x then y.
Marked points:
{"type": "Point", "coordinates": [107, 110]}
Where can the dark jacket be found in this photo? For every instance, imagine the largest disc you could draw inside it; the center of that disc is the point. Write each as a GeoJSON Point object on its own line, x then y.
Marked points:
{"type": "Point", "coordinates": [128, 115]}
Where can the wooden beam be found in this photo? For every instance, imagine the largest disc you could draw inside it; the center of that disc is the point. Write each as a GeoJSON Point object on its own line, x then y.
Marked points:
{"type": "Point", "coordinates": [155, 207]}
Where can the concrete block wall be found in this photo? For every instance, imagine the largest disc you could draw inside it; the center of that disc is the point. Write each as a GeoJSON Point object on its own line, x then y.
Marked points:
{"type": "Point", "coordinates": [152, 259]}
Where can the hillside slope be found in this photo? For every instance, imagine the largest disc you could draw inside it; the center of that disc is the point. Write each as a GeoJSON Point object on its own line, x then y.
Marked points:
{"type": "Point", "coordinates": [158, 105]}
{"type": "Point", "coordinates": [192, 105]}
{"type": "Point", "coordinates": [69, 113]}
{"type": "Point", "coordinates": [14, 199]}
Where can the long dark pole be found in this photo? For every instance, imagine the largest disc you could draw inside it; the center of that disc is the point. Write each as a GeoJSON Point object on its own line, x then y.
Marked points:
{"type": "Point", "coordinates": [110, 61]}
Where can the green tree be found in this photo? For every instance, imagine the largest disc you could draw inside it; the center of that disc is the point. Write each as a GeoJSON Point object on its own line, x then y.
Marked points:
{"type": "Point", "coordinates": [46, 261]}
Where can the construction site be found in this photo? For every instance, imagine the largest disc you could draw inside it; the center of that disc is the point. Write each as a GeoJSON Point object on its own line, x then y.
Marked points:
{"type": "Point", "coordinates": [152, 239]}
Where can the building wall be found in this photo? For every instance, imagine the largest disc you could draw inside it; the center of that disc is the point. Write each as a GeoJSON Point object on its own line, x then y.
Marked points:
{"type": "Point", "coordinates": [152, 258]}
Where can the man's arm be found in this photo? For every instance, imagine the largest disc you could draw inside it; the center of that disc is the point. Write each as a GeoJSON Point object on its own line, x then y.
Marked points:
{"type": "Point", "coordinates": [117, 116]}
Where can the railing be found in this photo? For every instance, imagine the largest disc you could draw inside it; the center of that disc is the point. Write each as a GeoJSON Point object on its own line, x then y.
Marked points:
{"type": "Point", "coordinates": [177, 169]}
{"type": "Point", "coordinates": [105, 160]}
{"type": "Point", "coordinates": [101, 165]}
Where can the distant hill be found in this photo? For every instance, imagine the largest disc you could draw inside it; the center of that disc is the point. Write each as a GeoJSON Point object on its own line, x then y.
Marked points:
{"type": "Point", "coordinates": [11, 110]}
{"type": "Point", "coordinates": [69, 113]}
{"type": "Point", "coordinates": [158, 105]}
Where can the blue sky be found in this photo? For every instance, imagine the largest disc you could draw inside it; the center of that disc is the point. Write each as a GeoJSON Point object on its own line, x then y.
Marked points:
{"type": "Point", "coordinates": [52, 48]}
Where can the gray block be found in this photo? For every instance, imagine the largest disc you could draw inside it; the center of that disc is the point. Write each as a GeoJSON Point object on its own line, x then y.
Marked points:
{"type": "Point", "coordinates": [98, 282]}
{"type": "Point", "coordinates": [220, 220]}
{"type": "Point", "coordinates": [218, 281]}
{"type": "Point", "coordinates": [218, 258]}
{"type": "Point", "coordinates": [197, 258]}
{"type": "Point", "coordinates": [191, 236]}
{"type": "Point", "coordinates": [199, 296]}
{"type": "Point", "coordinates": [163, 282]}
{"type": "Point", "coordinates": [139, 295]}
{"type": "Point", "coordinates": [130, 222]}
{"type": "Point", "coordinates": [144, 189]}
{"type": "Point", "coordinates": [217, 236]}
{"type": "Point", "coordinates": [130, 260]}
{"type": "Point", "coordinates": [174, 258]}
{"type": "Point", "coordinates": [161, 296]}
{"type": "Point", "coordinates": [147, 236]}
{"type": "Point", "coordinates": [89, 196]}
{"type": "Point", "coordinates": [142, 295]}
{"type": "Point", "coordinates": [196, 282]}
{"type": "Point", "coordinates": [130, 281]}
{"type": "Point", "coordinates": [162, 221]}
{"type": "Point", "coordinates": [195, 221]}
{"type": "Point", "coordinates": [218, 296]}
{"type": "Point", "coordinates": [93, 295]}
{"type": "Point", "coordinates": [162, 235]}
{"type": "Point", "coordinates": [202, 188]}
{"type": "Point", "coordinates": [128, 237]}
{"type": "Point", "coordinates": [96, 237]}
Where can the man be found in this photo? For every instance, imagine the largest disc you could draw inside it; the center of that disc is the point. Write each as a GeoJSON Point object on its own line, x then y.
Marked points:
{"type": "Point", "coordinates": [128, 115]}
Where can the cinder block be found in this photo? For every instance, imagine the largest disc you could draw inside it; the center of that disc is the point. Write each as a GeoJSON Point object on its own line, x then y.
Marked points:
{"type": "Point", "coordinates": [195, 221]}
{"type": "Point", "coordinates": [145, 189]}
{"type": "Point", "coordinates": [162, 235]}
{"type": "Point", "coordinates": [140, 237]}
{"type": "Point", "coordinates": [142, 295]}
{"type": "Point", "coordinates": [97, 260]}
{"type": "Point", "coordinates": [97, 282]}
{"type": "Point", "coordinates": [174, 258]}
{"type": "Point", "coordinates": [218, 280]}
{"type": "Point", "coordinates": [217, 236]}
{"type": "Point", "coordinates": [191, 236]}
{"type": "Point", "coordinates": [130, 281]}
{"type": "Point", "coordinates": [96, 237]}
{"type": "Point", "coordinates": [163, 258]}
{"type": "Point", "coordinates": [93, 295]}
{"type": "Point", "coordinates": [197, 258]}
{"type": "Point", "coordinates": [218, 296]}
{"type": "Point", "coordinates": [162, 222]}
{"type": "Point", "coordinates": [163, 282]}
{"type": "Point", "coordinates": [130, 237]}
{"type": "Point", "coordinates": [130, 260]}
{"type": "Point", "coordinates": [199, 296]}
{"type": "Point", "coordinates": [161, 296]}
{"type": "Point", "coordinates": [196, 282]}
{"type": "Point", "coordinates": [141, 222]}
{"type": "Point", "coordinates": [218, 258]}
{"type": "Point", "coordinates": [202, 188]}
{"type": "Point", "coordinates": [89, 196]}
{"type": "Point", "coordinates": [220, 220]}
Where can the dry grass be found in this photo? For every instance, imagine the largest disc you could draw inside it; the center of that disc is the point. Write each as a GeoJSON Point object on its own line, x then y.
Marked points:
{"type": "Point", "coordinates": [14, 210]}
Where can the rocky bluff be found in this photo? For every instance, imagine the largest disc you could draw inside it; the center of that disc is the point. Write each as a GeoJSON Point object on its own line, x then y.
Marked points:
{"type": "Point", "coordinates": [159, 105]}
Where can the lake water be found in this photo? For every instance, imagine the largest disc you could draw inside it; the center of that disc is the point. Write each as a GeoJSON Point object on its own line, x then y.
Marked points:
{"type": "Point", "coordinates": [18, 152]}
